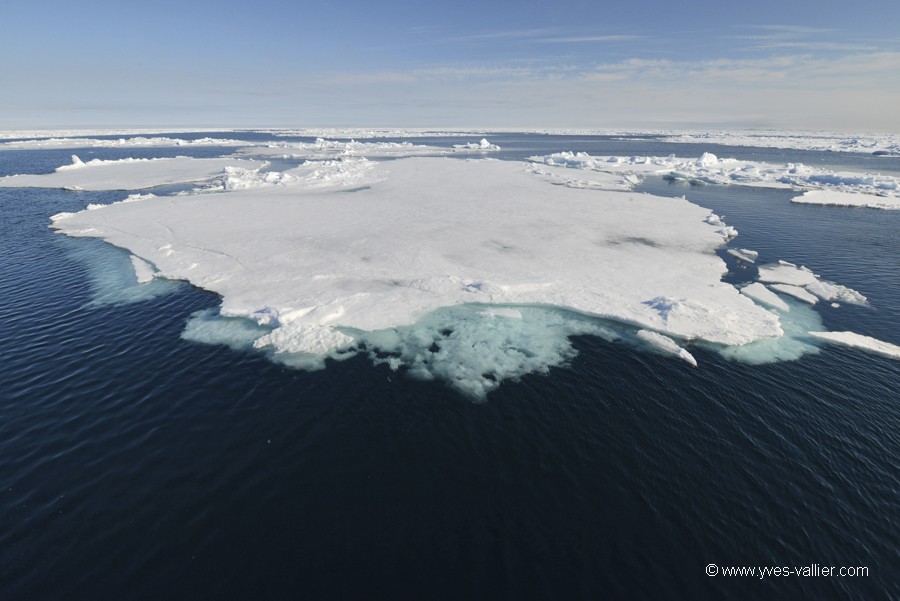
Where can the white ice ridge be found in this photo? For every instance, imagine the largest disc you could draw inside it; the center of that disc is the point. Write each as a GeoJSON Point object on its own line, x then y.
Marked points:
{"type": "Point", "coordinates": [848, 199]}
{"type": "Point", "coordinates": [320, 265]}
{"type": "Point", "coordinates": [859, 341]}
{"type": "Point", "coordinates": [323, 149]}
{"type": "Point", "coordinates": [127, 174]}
{"type": "Point", "coordinates": [483, 145]}
{"type": "Point", "coordinates": [804, 279]}
{"type": "Point", "coordinates": [744, 254]}
{"type": "Point", "coordinates": [142, 270]}
{"type": "Point", "coordinates": [137, 141]}
{"type": "Point", "coordinates": [709, 169]}
{"type": "Point", "coordinates": [759, 292]}
{"type": "Point", "coordinates": [367, 133]}
{"type": "Point", "coordinates": [666, 345]}
{"type": "Point", "coordinates": [888, 144]}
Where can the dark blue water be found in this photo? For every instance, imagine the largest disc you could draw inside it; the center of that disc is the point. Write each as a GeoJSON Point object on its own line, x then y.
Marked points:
{"type": "Point", "coordinates": [136, 465]}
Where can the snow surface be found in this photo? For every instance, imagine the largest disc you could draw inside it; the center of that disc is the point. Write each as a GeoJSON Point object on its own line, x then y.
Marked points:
{"type": "Point", "coordinates": [866, 343]}
{"type": "Point", "coordinates": [848, 199]}
{"type": "Point", "coordinates": [797, 292]}
{"type": "Point", "coordinates": [322, 265]}
{"type": "Point", "coordinates": [127, 174]}
{"type": "Point", "coordinates": [878, 191]}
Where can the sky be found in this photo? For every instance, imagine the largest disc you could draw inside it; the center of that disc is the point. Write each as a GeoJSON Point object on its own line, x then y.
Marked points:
{"type": "Point", "coordinates": [785, 64]}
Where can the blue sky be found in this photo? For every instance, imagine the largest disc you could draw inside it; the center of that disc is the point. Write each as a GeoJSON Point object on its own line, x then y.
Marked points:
{"type": "Point", "coordinates": [653, 64]}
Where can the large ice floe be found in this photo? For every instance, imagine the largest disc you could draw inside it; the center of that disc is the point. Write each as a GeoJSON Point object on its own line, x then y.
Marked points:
{"type": "Point", "coordinates": [821, 186]}
{"type": "Point", "coordinates": [127, 174]}
{"type": "Point", "coordinates": [340, 255]}
{"type": "Point", "coordinates": [470, 271]}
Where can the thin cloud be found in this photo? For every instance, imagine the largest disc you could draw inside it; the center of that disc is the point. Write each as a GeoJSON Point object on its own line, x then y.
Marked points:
{"type": "Point", "coordinates": [590, 38]}
{"type": "Point", "coordinates": [505, 35]}
{"type": "Point", "coordinates": [793, 29]}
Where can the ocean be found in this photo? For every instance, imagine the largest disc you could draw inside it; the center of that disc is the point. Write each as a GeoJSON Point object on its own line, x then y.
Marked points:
{"type": "Point", "coordinates": [138, 465]}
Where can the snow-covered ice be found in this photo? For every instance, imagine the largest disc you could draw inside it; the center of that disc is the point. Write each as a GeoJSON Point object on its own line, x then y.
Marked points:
{"type": "Point", "coordinates": [866, 343]}
{"type": "Point", "coordinates": [127, 174]}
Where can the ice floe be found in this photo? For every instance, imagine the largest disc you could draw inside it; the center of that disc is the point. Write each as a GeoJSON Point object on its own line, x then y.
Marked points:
{"type": "Point", "coordinates": [866, 343]}
{"type": "Point", "coordinates": [483, 146]}
{"type": "Point", "coordinates": [127, 174]}
{"type": "Point", "coordinates": [666, 345]}
{"type": "Point", "coordinates": [877, 191]}
{"type": "Point", "coordinates": [797, 292]}
{"type": "Point", "coordinates": [744, 254]}
{"type": "Point", "coordinates": [848, 199]}
{"type": "Point", "coordinates": [759, 292]}
{"type": "Point", "coordinates": [802, 277]}
{"type": "Point", "coordinates": [321, 264]}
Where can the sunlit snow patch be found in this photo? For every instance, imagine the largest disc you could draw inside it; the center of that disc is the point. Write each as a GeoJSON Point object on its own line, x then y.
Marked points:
{"type": "Point", "coordinates": [866, 343]}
